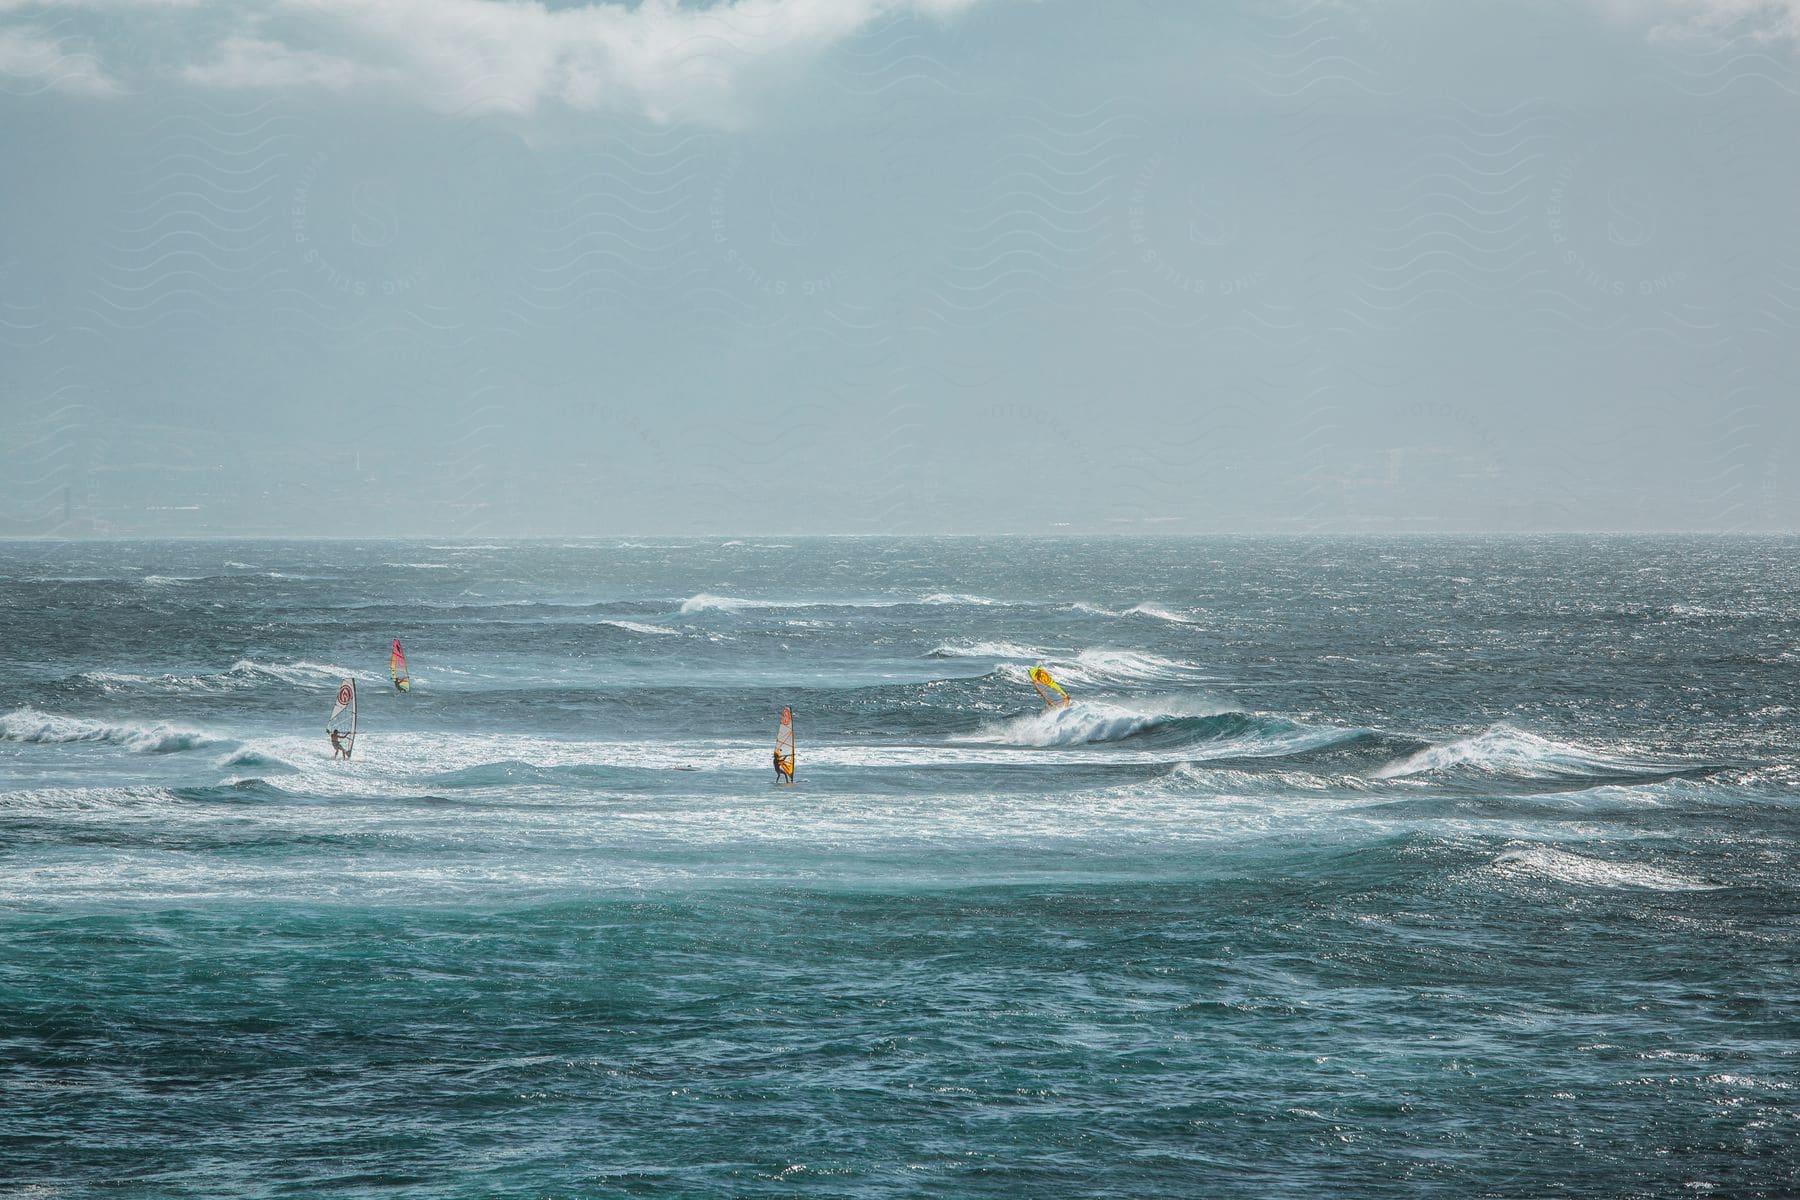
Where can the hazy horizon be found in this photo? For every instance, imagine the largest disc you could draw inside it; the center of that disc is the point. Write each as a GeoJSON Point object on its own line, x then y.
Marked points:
{"type": "Point", "coordinates": [782, 268]}
{"type": "Point", "coordinates": [1329, 535]}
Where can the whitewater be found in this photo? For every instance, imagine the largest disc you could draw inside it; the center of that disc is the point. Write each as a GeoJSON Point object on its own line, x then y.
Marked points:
{"type": "Point", "coordinates": [1418, 867]}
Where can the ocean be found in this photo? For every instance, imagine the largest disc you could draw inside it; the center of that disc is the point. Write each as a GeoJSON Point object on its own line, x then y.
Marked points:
{"type": "Point", "coordinates": [1419, 867]}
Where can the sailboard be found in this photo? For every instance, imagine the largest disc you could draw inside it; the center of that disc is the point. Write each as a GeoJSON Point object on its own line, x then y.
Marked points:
{"type": "Point", "coordinates": [397, 668]}
{"type": "Point", "coordinates": [784, 746]}
{"type": "Point", "coordinates": [1048, 688]}
{"type": "Point", "coordinates": [345, 739]}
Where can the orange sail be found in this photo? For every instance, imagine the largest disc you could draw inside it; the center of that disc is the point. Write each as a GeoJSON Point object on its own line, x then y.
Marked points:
{"type": "Point", "coordinates": [784, 746]}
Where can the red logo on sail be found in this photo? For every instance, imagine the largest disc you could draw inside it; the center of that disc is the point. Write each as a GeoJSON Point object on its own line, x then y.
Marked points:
{"type": "Point", "coordinates": [343, 695]}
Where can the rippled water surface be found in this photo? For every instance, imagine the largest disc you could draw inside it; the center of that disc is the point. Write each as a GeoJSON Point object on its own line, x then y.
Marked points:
{"type": "Point", "coordinates": [1401, 867]}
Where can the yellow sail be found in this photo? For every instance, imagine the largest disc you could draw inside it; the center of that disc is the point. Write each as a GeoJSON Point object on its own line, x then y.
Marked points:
{"type": "Point", "coordinates": [1048, 688]}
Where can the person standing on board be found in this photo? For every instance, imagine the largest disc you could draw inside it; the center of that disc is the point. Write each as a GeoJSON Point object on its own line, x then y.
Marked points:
{"type": "Point", "coordinates": [337, 745]}
{"type": "Point", "coordinates": [784, 747]}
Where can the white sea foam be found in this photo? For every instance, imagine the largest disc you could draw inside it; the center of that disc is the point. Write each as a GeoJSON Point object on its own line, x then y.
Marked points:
{"type": "Point", "coordinates": [397, 763]}
{"type": "Point", "coordinates": [640, 627]}
{"type": "Point", "coordinates": [1076, 724]}
{"type": "Point", "coordinates": [241, 674]}
{"type": "Point", "coordinates": [1547, 862]}
{"type": "Point", "coordinates": [295, 673]}
{"type": "Point", "coordinates": [1159, 613]}
{"type": "Point", "coordinates": [124, 681]}
{"type": "Point", "coordinates": [29, 725]}
{"type": "Point", "coordinates": [1503, 750]}
{"type": "Point", "coordinates": [984, 650]}
{"type": "Point", "coordinates": [1205, 779]}
{"type": "Point", "coordinates": [1091, 667]}
{"type": "Point", "coordinates": [84, 799]}
{"type": "Point", "coordinates": [710, 602]}
{"type": "Point", "coordinates": [1123, 666]}
{"type": "Point", "coordinates": [707, 602]}
{"type": "Point", "coordinates": [256, 755]}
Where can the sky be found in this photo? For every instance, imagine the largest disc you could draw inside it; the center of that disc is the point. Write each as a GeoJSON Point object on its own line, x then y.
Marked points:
{"type": "Point", "coordinates": [490, 268]}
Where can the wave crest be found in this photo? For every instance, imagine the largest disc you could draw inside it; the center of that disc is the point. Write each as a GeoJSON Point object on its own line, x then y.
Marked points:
{"type": "Point", "coordinates": [1503, 750]}
{"type": "Point", "coordinates": [984, 650]}
{"type": "Point", "coordinates": [640, 627]}
{"type": "Point", "coordinates": [1159, 613]}
{"type": "Point", "coordinates": [295, 673]}
{"type": "Point", "coordinates": [1087, 722]}
{"type": "Point", "coordinates": [1124, 666]}
{"type": "Point", "coordinates": [1546, 862]}
{"type": "Point", "coordinates": [707, 602]}
{"type": "Point", "coordinates": [31, 726]}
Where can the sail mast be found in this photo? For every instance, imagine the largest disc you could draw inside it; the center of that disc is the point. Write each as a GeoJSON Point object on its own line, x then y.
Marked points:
{"type": "Point", "coordinates": [784, 744]}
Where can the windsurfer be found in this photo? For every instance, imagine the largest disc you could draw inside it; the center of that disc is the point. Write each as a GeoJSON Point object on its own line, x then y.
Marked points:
{"type": "Point", "coordinates": [337, 745]}
{"type": "Point", "coordinates": [783, 773]}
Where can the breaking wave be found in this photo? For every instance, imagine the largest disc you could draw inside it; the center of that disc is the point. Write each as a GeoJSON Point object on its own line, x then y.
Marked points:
{"type": "Point", "coordinates": [1090, 723]}
{"type": "Point", "coordinates": [640, 627]}
{"type": "Point", "coordinates": [249, 756]}
{"type": "Point", "coordinates": [959, 598]}
{"type": "Point", "coordinates": [1513, 753]}
{"type": "Point", "coordinates": [108, 681]}
{"type": "Point", "coordinates": [29, 725]}
{"type": "Point", "coordinates": [1123, 666]}
{"type": "Point", "coordinates": [80, 799]}
{"type": "Point", "coordinates": [707, 602]}
{"type": "Point", "coordinates": [241, 674]}
{"type": "Point", "coordinates": [1086, 668]}
{"type": "Point", "coordinates": [1160, 613]}
{"type": "Point", "coordinates": [1154, 611]}
{"type": "Point", "coordinates": [296, 673]}
{"type": "Point", "coordinates": [984, 650]}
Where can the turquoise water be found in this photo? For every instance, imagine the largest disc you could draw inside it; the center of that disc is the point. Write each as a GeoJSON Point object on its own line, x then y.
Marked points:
{"type": "Point", "coordinates": [1408, 867]}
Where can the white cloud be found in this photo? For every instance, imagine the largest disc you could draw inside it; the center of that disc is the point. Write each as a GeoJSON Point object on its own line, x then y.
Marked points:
{"type": "Point", "coordinates": [243, 61]}
{"type": "Point", "coordinates": [660, 57]}
{"type": "Point", "coordinates": [33, 61]}
{"type": "Point", "coordinates": [1767, 20]}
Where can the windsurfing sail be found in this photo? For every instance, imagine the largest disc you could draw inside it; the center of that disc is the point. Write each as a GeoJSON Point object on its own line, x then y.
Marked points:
{"type": "Point", "coordinates": [343, 740]}
{"type": "Point", "coordinates": [1048, 688]}
{"type": "Point", "coordinates": [784, 746]}
{"type": "Point", "coordinates": [397, 668]}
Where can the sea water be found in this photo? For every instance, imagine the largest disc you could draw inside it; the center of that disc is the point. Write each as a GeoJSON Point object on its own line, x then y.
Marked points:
{"type": "Point", "coordinates": [1406, 867]}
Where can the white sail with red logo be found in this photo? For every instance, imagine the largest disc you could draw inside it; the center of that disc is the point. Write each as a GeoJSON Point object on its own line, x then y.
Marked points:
{"type": "Point", "coordinates": [343, 740]}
